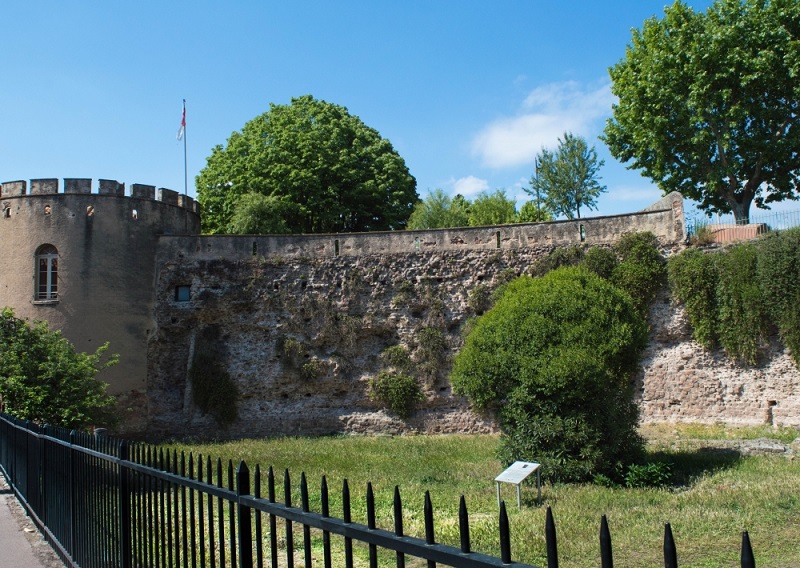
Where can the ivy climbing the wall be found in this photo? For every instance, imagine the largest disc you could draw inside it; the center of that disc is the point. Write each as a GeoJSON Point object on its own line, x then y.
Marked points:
{"type": "Point", "coordinates": [736, 298]}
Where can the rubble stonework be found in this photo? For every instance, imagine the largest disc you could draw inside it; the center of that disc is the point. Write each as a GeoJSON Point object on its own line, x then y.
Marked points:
{"type": "Point", "coordinates": [680, 381]}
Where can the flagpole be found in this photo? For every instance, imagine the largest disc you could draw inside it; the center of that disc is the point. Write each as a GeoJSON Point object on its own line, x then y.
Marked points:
{"type": "Point", "coordinates": [185, 166]}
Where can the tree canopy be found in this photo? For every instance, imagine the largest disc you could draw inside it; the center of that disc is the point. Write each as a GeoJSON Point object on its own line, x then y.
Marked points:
{"type": "Point", "coordinates": [708, 103]}
{"type": "Point", "coordinates": [438, 210]}
{"type": "Point", "coordinates": [43, 378]}
{"type": "Point", "coordinates": [325, 170]}
{"type": "Point", "coordinates": [567, 179]}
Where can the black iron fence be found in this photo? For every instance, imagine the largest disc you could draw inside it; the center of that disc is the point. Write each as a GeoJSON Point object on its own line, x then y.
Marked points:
{"type": "Point", "coordinates": [104, 503]}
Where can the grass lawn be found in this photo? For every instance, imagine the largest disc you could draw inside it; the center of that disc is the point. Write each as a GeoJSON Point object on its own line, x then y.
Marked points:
{"type": "Point", "coordinates": [717, 494]}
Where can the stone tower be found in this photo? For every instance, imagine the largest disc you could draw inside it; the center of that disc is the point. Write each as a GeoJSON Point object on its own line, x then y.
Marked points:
{"type": "Point", "coordinates": [84, 261]}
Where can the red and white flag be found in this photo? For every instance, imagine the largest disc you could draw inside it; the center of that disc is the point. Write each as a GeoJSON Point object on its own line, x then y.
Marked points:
{"type": "Point", "coordinates": [182, 129]}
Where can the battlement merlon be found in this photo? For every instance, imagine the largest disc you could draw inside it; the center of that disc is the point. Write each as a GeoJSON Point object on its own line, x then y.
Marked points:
{"type": "Point", "coordinates": [50, 186]}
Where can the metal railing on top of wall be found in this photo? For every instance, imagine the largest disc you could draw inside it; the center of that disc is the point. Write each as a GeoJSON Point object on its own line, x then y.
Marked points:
{"type": "Point", "coordinates": [727, 229]}
{"type": "Point", "coordinates": [105, 503]}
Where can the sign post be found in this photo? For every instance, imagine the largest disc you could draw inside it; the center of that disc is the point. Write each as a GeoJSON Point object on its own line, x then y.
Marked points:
{"type": "Point", "coordinates": [515, 474]}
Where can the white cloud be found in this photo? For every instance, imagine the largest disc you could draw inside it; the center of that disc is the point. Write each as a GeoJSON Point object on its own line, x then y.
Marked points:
{"type": "Point", "coordinates": [470, 185]}
{"type": "Point", "coordinates": [546, 113]}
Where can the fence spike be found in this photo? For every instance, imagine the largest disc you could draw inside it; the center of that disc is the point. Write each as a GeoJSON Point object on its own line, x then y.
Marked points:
{"type": "Point", "coordinates": [348, 542]}
{"type": "Point", "coordinates": [271, 485]}
{"type": "Point", "coordinates": [304, 491]}
{"type": "Point", "coordinates": [463, 525]}
{"type": "Point", "coordinates": [428, 513]}
{"type": "Point", "coordinates": [398, 512]}
{"type": "Point", "coordinates": [346, 501]}
{"type": "Point", "coordinates": [429, 534]}
{"type": "Point", "coordinates": [670, 552]}
{"type": "Point", "coordinates": [370, 506]}
{"type": "Point", "coordinates": [505, 535]}
{"type": "Point", "coordinates": [323, 496]}
{"type": "Point", "coordinates": [550, 539]}
{"type": "Point", "coordinates": [398, 524]}
{"type": "Point", "coordinates": [606, 557]}
{"type": "Point", "coordinates": [287, 488]}
{"type": "Point", "coordinates": [748, 560]}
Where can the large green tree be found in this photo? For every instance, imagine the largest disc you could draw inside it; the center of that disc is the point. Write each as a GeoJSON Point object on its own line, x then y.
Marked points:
{"type": "Point", "coordinates": [709, 103]}
{"type": "Point", "coordinates": [43, 378]}
{"type": "Point", "coordinates": [326, 170]}
{"type": "Point", "coordinates": [567, 179]}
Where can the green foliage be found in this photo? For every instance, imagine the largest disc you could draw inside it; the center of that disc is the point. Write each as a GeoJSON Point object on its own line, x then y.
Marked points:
{"type": "Point", "coordinates": [294, 349]}
{"type": "Point", "coordinates": [742, 325]}
{"type": "Point", "coordinates": [257, 214]}
{"type": "Point", "coordinates": [439, 211]}
{"type": "Point", "coordinates": [601, 261]}
{"type": "Point", "coordinates": [653, 474]}
{"type": "Point", "coordinates": [641, 269]}
{"type": "Point", "coordinates": [735, 296]}
{"type": "Point", "coordinates": [707, 103]}
{"type": "Point", "coordinates": [396, 390]}
{"type": "Point", "coordinates": [553, 358]}
{"type": "Point", "coordinates": [567, 256]}
{"type": "Point", "coordinates": [43, 378]}
{"type": "Point", "coordinates": [325, 170]}
{"type": "Point", "coordinates": [533, 212]}
{"type": "Point", "coordinates": [397, 356]}
{"type": "Point", "coordinates": [693, 279]}
{"type": "Point", "coordinates": [213, 390]}
{"type": "Point", "coordinates": [567, 179]}
{"type": "Point", "coordinates": [778, 274]}
{"type": "Point", "coordinates": [313, 369]}
{"type": "Point", "coordinates": [492, 209]}
{"type": "Point", "coordinates": [479, 299]}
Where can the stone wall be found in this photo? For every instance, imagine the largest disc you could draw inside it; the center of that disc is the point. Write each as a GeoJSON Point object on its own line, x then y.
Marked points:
{"type": "Point", "coordinates": [339, 314]}
{"type": "Point", "coordinates": [681, 381]}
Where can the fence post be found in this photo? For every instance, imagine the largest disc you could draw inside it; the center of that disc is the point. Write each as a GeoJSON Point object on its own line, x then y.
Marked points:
{"type": "Point", "coordinates": [670, 552]}
{"type": "Point", "coordinates": [125, 549]}
{"type": "Point", "coordinates": [550, 539]}
{"type": "Point", "coordinates": [245, 526]}
{"type": "Point", "coordinates": [606, 557]}
{"type": "Point", "coordinates": [748, 560]}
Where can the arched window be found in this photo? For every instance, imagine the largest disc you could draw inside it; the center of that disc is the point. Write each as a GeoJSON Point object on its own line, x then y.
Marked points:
{"type": "Point", "coordinates": [46, 273]}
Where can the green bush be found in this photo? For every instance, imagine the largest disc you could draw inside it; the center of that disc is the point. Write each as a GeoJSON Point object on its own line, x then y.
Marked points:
{"type": "Point", "coordinates": [44, 380]}
{"type": "Point", "coordinates": [737, 297]}
{"type": "Point", "coordinates": [562, 256]}
{"type": "Point", "coordinates": [654, 474]}
{"type": "Point", "coordinates": [601, 261]}
{"type": "Point", "coordinates": [397, 356]}
{"type": "Point", "coordinates": [553, 359]}
{"type": "Point", "coordinates": [641, 269]}
{"type": "Point", "coordinates": [479, 299]}
{"type": "Point", "coordinates": [778, 274]}
{"type": "Point", "coordinates": [693, 281]}
{"type": "Point", "coordinates": [396, 390]}
{"type": "Point", "coordinates": [742, 325]}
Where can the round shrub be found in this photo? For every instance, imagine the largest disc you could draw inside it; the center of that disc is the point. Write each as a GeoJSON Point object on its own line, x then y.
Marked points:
{"type": "Point", "coordinates": [553, 359]}
{"type": "Point", "coordinates": [396, 390]}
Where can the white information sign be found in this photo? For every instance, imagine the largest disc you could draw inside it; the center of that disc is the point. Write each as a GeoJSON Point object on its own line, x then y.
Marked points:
{"type": "Point", "coordinates": [515, 474]}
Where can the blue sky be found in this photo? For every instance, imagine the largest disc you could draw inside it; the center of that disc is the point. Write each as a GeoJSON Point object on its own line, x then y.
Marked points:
{"type": "Point", "coordinates": [467, 92]}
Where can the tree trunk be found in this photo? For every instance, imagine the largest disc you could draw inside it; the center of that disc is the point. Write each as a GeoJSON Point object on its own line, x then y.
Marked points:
{"type": "Point", "coordinates": [741, 211]}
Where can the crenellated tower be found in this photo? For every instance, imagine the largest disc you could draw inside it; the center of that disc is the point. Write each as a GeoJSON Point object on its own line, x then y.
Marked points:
{"type": "Point", "coordinates": [83, 259]}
